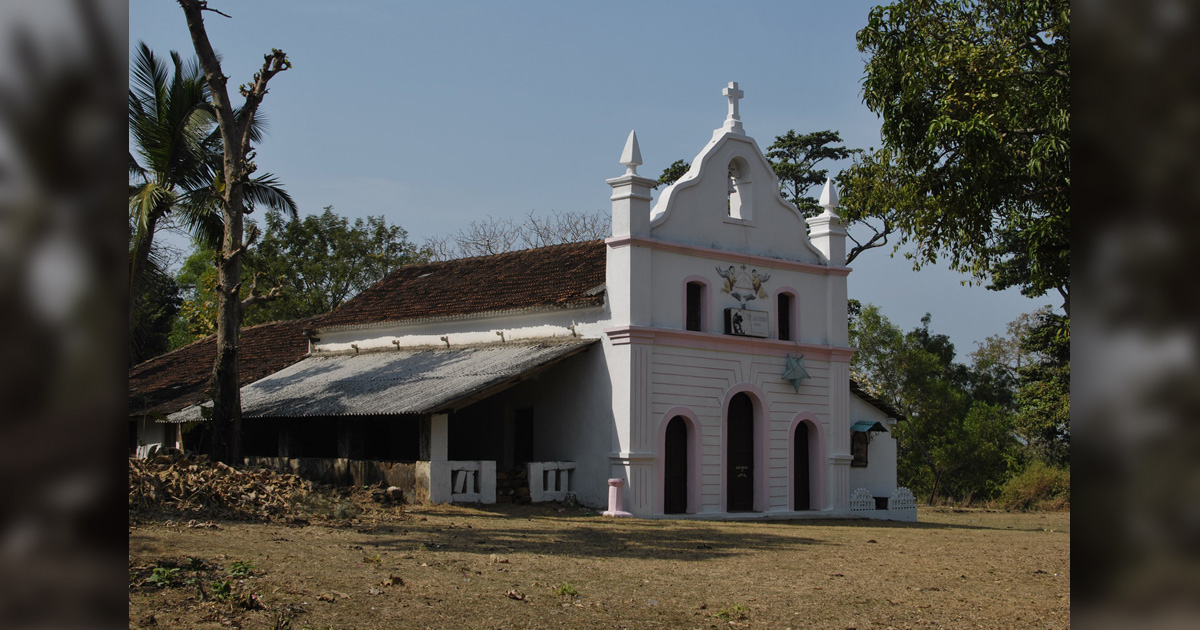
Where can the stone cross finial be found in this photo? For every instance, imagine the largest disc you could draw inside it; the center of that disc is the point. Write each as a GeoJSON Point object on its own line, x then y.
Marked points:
{"type": "Point", "coordinates": [631, 157]}
{"type": "Point", "coordinates": [733, 94]}
{"type": "Point", "coordinates": [733, 121]}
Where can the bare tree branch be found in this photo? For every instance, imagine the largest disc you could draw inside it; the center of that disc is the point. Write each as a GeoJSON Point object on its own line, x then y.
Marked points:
{"type": "Point", "coordinates": [256, 296]}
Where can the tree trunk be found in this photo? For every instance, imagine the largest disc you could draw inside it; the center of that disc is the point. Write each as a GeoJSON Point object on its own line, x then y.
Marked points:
{"type": "Point", "coordinates": [137, 265]}
{"type": "Point", "coordinates": [937, 478]}
{"type": "Point", "coordinates": [227, 399]}
{"type": "Point", "coordinates": [235, 143]}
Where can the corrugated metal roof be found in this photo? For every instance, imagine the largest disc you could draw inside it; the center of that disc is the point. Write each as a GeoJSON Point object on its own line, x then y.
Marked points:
{"type": "Point", "coordinates": [867, 425]}
{"type": "Point", "coordinates": [394, 382]}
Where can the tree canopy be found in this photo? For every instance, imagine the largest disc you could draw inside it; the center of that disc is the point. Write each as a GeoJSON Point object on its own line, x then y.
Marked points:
{"type": "Point", "coordinates": [969, 428]}
{"type": "Point", "coordinates": [975, 167]}
{"type": "Point", "coordinates": [318, 262]}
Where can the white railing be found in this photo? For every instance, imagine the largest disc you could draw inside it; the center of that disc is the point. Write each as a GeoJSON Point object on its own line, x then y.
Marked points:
{"type": "Point", "coordinates": [901, 506]}
{"type": "Point", "coordinates": [465, 481]}
{"type": "Point", "coordinates": [549, 481]}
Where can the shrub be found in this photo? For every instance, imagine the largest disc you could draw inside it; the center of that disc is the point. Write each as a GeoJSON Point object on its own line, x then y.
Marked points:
{"type": "Point", "coordinates": [1038, 487]}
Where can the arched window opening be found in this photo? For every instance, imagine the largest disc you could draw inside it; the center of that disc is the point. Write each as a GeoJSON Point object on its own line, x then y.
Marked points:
{"type": "Point", "coordinates": [783, 314]}
{"type": "Point", "coordinates": [737, 195]}
{"type": "Point", "coordinates": [694, 311]}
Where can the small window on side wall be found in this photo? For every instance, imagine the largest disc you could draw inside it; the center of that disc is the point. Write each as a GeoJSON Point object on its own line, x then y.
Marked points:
{"type": "Point", "coordinates": [694, 313]}
{"type": "Point", "coordinates": [858, 447]}
{"type": "Point", "coordinates": [783, 313]}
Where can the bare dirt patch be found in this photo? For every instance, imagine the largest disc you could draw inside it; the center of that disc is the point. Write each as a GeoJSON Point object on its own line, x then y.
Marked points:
{"type": "Point", "coordinates": [549, 566]}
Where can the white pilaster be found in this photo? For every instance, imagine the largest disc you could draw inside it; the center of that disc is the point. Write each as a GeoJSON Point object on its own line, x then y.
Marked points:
{"type": "Point", "coordinates": [839, 429]}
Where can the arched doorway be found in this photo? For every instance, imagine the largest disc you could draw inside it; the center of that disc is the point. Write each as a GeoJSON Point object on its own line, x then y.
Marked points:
{"type": "Point", "coordinates": [675, 469]}
{"type": "Point", "coordinates": [740, 439]}
{"type": "Point", "coordinates": [800, 469]}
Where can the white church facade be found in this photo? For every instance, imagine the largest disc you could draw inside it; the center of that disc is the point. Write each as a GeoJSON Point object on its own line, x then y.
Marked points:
{"type": "Point", "coordinates": [695, 362]}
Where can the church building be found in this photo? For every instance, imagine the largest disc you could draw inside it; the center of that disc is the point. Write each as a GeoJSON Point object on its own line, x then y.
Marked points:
{"type": "Point", "coordinates": [695, 362]}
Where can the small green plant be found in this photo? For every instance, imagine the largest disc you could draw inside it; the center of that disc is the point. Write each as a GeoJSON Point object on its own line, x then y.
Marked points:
{"type": "Point", "coordinates": [196, 564]}
{"type": "Point", "coordinates": [221, 590]}
{"type": "Point", "coordinates": [376, 559]}
{"type": "Point", "coordinates": [240, 569]}
{"type": "Point", "coordinates": [566, 589]}
{"type": "Point", "coordinates": [162, 577]}
{"type": "Point", "coordinates": [422, 547]}
{"type": "Point", "coordinates": [735, 612]}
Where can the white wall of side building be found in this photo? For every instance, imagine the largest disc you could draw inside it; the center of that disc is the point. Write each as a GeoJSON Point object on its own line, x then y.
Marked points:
{"type": "Point", "coordinates": [879, 475]}
{"type": "Point", "coordinates": [573, 421]}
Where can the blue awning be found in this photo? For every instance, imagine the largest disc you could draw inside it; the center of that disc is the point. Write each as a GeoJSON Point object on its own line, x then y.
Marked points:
{"type": "Point", "coordinates": [867, 425]}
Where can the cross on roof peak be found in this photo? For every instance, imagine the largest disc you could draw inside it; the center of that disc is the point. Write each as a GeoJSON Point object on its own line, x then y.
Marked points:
{"type": "Point", "coordinates": [733, 121]}
{"type": "Point", "coordinates": [732, 92]}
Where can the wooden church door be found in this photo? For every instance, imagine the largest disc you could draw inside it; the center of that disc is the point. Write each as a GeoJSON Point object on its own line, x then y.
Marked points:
{"type": "Point", "coordinates": [740, 474]}
{"type": "Point", "coordinates": [675, 477]}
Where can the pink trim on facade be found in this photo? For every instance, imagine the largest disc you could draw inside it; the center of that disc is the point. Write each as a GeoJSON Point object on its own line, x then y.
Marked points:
{"type": "Point", "coordinates": [795, 311]}
{"type": "Point", "coordinates": [708, 252]}
{"type": "Point", "coordinates": [761, 445]}
{"type": "Point", "coordinates": [704, 300]}
{"type": "Point", "coordinates": [694, 454]}
{"type": "Point", "coordinates": [725, 343]}
{"type": "Point", "coordinates": [630, 335]}
{"type": "Point", "coordinates": [816, 460]}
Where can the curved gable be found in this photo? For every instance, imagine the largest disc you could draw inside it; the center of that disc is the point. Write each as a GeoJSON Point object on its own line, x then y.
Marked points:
{"type": "Point", "coordinates": [729, 199]}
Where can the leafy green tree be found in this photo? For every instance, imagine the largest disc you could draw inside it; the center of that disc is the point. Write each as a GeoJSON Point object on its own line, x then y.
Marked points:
{"type": "Point", "coordinates": [975, 164]}
{"type": "Point", "coordinates": [317, 263]}
{"type": "Point", "coordinates": [796, 157]}
{"type": "Point", "coordinates": [957, 440]}
{"type": "Point", "coordinates": [672, 173]}
{"type": "Point", "coordinates": [197, 281]}
{"type": "Point", "coordinates": [157, 305]}
{"type": "Point", "coordinates": [323, 260]}
{"type": "Point", "coordinates": [1044, 396]}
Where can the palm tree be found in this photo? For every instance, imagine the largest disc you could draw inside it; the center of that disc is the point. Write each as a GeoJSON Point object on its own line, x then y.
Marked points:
{"type": "Point", "coordinates": [177, 167]}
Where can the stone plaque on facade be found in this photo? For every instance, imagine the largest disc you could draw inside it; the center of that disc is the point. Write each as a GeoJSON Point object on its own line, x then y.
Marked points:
{"type": "Point", "coordinates": [744, 322]}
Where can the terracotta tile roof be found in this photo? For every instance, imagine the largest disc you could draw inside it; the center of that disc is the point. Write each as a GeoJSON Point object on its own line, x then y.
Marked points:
{"type": "Point", "coordinates": [558, 276]}
{"type": "Point", "coordinates": [175, 380]}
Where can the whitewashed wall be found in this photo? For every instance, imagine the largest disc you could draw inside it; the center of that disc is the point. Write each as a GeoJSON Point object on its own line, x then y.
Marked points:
{"type": "Point", "coordinates": [879, 475]}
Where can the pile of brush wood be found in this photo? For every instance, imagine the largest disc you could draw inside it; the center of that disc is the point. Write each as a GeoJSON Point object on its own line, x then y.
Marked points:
{"type": "Point", "coordinates": [193, 485]}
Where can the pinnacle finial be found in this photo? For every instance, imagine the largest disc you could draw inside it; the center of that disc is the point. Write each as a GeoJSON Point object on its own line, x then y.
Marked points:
{"type": "Point", "coordinates": [631, 157]}
{"type": "Point", "coordinates": [829, 197]}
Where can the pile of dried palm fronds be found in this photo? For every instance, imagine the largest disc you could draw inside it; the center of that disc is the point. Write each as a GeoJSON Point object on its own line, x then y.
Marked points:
{"type": "Point", "coordinates": [178, 484]}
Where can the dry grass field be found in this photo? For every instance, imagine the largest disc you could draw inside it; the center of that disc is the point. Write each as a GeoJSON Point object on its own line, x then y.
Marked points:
{"type": "Point", "coordinates": [553, 567]}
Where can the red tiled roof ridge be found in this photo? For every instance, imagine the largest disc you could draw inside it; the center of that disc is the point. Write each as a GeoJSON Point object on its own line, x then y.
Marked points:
{"type": "Point", "coordinates": [553, 275]}
{"type": "Point", "coordinates": [511, 252]}
{"type": "Point", "coordinates": [210, 338]}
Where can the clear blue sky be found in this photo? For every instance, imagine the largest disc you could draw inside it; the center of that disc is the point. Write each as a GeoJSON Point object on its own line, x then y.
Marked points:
{"type": "Point", "coordinates": [437, 113]}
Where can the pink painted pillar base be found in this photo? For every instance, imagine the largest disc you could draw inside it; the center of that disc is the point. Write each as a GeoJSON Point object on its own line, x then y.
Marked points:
{"type": "Point", "coordinates": [614, 498]}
